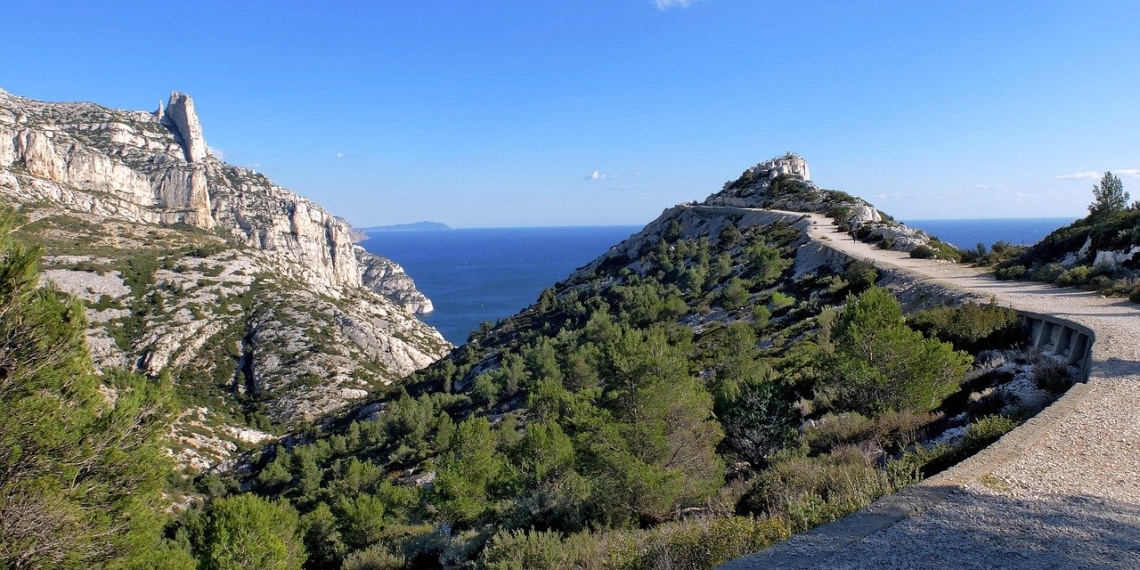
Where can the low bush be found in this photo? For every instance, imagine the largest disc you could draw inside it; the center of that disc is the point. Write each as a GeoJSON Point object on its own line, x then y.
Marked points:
{"type": "Point", "coordinates": [971, 327]}
{"type": "Point", "coordinates": [1075, 277]}
{"type": "Point", "coordinates": [521, 550]}
{"type": "Point", "coordinates": [1051, 375]}
{"type": "Point", "coordinates": [923, 252]}
{"type": "Point", "coordinates": [985, 431]}
{"type": "Point", "coordinates": [1102, 283]}
{"type": "Point", "coordinates": [894, 431]}
{"type": "Point", "coordinates": [810, 491]}
{"type": "Point", "coordinates": [704, 544]}
{"type": "Point", "coordinates": [1011, 272]}
{"type": "Point", "coordinates": [836, 429]}
{"type": "Point", "coordinates": [376, 557]}
{"type": "Point", "coordinates": [860, 275]}
{"type": "Point", "coordinates": [1048, 273]}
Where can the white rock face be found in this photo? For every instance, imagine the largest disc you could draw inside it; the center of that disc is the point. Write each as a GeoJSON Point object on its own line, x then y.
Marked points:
{"type": "Point", "coordinates": [754, 188]}
{"type": "Point", "coordinates": [387, 278]}
{"type": "Point", "coordinates": [1075, 257]}
{"type": "Point", "coordinates": [1114, 258]}
{"type": "Point", "coordinates": [135, 166]}
{"type": "Point", "coordinates": [865, 215]}
{"type": "Point", "coordinates": [264, 297]}
{"type": "Point", "coordinates": [180, 113]}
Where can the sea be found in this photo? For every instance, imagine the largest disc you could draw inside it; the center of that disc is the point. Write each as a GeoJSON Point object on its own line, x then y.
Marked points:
{"type": "Point", "coordinates": [487, 274]}
{"type": "Point", "coordinates": [477, 275]}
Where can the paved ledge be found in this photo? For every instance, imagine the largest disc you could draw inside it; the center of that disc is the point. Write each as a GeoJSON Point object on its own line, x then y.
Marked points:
{"type": "Point", "coordinates": [1060, 491]}
{"type": "Point", "coordinates": [815, 547]}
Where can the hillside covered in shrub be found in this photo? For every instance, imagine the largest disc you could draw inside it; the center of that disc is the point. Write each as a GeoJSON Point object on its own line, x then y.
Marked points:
{"type": "Point", "coordinates": [683, 400]}
{"type": "Point", "coordinates": [1100, 252]}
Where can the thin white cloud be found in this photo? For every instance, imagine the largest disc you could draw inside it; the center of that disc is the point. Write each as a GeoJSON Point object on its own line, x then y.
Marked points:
{"type": "Point", "coordinates": [1090, 175]}
{"type": "Point", "coordinates": [599, 175]}
{"type": "Point", "coordinates": [667, 4]}
{"type": "Point", "coordinates": [990, 186]}
{"type": "Point", "coordinates": [216, 152]}
{"type": "Point", "coordinates": [340, 155]}
{"type": "Point", "coordinates": [1129, 172]}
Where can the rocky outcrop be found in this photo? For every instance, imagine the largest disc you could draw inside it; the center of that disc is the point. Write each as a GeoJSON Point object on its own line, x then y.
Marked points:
{"type": "Point", "coordinates": [180, 116]}
{"type": "Point", "coordinates": [387, 278]}
{"type": "Point", "coordinates": [784, 183]}
{"type": "Point", "coordinates": [758, 187]}
{"type": "Point", "coordinates": [146, 168]}
{"type": "Point", "coordinates": [257, 302]}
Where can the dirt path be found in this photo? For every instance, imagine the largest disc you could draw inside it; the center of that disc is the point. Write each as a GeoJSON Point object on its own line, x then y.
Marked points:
{"type": "Point", "coordinates": [1062, 491]}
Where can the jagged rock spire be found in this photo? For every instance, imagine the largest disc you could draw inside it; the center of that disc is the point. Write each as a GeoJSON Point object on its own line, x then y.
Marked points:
{"type": "Point", "coordinates": [181, 117]}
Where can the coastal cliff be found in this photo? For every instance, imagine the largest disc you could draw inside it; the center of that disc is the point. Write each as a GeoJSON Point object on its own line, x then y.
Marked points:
{"type": "Point", "coordinates": [256, 301]}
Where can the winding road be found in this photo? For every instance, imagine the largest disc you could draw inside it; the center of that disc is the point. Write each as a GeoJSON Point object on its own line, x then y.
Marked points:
{"type": "Point", "coordinates": [1061, 491]}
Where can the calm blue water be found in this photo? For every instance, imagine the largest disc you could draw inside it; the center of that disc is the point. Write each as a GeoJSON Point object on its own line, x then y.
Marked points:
{"type": "Point", "coordinates": [968, 233]}
{"type": "Point", "coordinates": [476, 275]}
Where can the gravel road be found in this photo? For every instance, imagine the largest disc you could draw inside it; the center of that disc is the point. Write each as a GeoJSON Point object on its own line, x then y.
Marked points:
{"type": "Point", "coordinates": [1062, 491]}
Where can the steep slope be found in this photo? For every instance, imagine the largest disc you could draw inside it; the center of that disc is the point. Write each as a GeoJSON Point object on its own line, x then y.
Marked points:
{"type": "Point", "coordinates": [255, 300]}
{"type": "Point", "coordinates": [718, 362]}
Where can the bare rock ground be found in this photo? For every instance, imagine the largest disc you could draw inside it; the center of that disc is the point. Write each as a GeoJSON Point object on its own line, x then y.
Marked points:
{"type": "Point", "coordinates": [1062, 491]}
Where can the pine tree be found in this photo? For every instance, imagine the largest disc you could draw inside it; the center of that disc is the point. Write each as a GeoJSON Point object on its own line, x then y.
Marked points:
{"type": "Point", "coordinates": [1108, 196]}
{"type": "Point", "coordinates": [81, 469]}
{"type": "Point", "coordinates": [879, 363]}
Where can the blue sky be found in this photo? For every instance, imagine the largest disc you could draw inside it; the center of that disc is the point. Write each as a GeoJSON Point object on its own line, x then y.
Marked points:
{"type": "Point", "coordinates": [597, 112]}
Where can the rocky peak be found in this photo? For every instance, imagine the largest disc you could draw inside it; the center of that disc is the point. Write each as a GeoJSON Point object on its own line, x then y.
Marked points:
{"type": "Point", "coordinates": [180, 117]}
{"type": "Point", "coordinates": [790, 164]}
{"type": "Point", "coordinates": [781, 182]}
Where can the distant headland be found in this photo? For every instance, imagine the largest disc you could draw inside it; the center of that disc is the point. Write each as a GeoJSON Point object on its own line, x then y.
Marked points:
{"type": "Point", "coordinates": [413, 227]}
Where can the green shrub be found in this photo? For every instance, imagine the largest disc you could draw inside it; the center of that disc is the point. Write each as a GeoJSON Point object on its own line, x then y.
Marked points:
{"type": "Point", "coordinates": [809, 491]}
{"type": "Point", "coordinates": [1135, 295]}
{"type": "Point", "coordinates": [943, 250]}
{"type": "Point", "coordinates": [860, 275]}
{"type": "Point", "coordinates": [375, 557]}
{"type": "Point", "coordinates": [836, 429]}
{"type": "Point", "coordinates": [704, 544]}
{"type": "Point", "coordinates": [986, 431]}
{"type": "Point", "coordinates": [1011, 272]}
{"type": "Point", "coordinates": [522, 550]}
{"type": "Point", "coordinates": [1075, 277]}
{"type": "Point", "coordinates": [1101, 283]}
{"type": "Point", "coordinates": [781, 301]}
{"type": "Point", "coordinates": [923, 252]}
{"type": "Point", "coordinates": [1000, 252]}
{"type": "Point", "coordinates": [1047, 273]}
{"type": "Point", "coordinates": [971, 327]}
{"type": "Point", "coordinates": [760, 317]}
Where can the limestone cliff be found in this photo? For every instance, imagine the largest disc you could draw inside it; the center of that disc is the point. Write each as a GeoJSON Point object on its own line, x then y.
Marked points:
{"type": "Point", "coordinates": [142, 167]}
{"type": "Point", "coordinates": [257, 301]}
